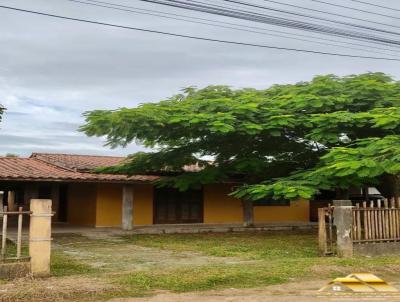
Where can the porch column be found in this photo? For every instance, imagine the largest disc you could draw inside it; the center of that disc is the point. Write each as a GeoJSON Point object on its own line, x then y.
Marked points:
{"type": "Point", "coordinates": [127, 207]}
{"type": "Point", "coordinates": [248, 213]}
{"type": "Point", "coordinates": [11, 201]}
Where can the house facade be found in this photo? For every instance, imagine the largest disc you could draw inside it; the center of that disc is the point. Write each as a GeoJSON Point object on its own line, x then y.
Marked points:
{"type": "Point", "coordinates": [81, 197]}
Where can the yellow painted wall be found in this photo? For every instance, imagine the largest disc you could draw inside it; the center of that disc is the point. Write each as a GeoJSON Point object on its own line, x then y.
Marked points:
{"type": "Point", "coordinates": [108, 205]}
{"type": "Point", "coordinates": [143, 204]}
{"type": "Point", "coordinates": [221, 208]}
{"type": "Point", "coordinates": [81, 208]}
{"type": "Point", "coordinates": [101, 205]}
{"type": "Point", "coordinates": [298, 211]}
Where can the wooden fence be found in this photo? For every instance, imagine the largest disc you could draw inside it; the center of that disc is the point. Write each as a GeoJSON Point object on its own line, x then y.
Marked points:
{"type": "Point", "coordinates": [371, 222]}
{"type": "Point", "coordinates": [376, 222]}
{"type": "Point", "coordinates": [5, 215]}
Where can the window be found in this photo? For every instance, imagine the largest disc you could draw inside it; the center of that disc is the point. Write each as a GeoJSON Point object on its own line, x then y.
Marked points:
{"type": "Point", "coordinates": [272, 203]}
{"type": "Point", "coordinates": [173, 206]}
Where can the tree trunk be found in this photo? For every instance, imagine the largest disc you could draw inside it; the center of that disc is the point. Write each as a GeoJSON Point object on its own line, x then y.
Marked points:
{"type": "Point", "coordinates": [248, 213]}
{"type": "Point", "coordinates": [365, 193]}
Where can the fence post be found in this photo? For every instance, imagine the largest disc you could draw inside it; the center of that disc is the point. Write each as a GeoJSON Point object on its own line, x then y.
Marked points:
{"type": "Point", "coordinates": [4, 234]}
{"type": "Point", "coordinates": [322, 232]}
{"type": "Point", "coordinates": [343, 220]}
{"type": "Point", "coordinates": [40, 237]}
{"type": "Point", "coordinates": [19, 235]}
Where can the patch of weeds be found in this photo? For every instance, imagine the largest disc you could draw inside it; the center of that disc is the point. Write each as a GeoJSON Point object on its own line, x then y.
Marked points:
{"type": "Point", "coordinates": [11, 249]}
{"type": "Point", "coordinates": [203, 278]}
{"type": "Point", "coordinates": [74, 240]}
{"type": "Point", "coordinates": [279, 257]}
{"type": "Point", "coordinates": [64, 265]}
{"type": "Point", "coordinates": [256, 245]}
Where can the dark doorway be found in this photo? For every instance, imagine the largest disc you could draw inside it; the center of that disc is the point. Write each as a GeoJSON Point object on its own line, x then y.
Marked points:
{"type": "Point", "coordinates": [44, 192]}
{"type": "Point", "coordinates": [63, 203]}
{"type": "Point", "coordinates": [173, 206]}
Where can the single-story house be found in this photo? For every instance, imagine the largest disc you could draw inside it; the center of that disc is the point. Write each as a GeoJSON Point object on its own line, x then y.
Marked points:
{"type": "Point", "coordinates": [81, 197]}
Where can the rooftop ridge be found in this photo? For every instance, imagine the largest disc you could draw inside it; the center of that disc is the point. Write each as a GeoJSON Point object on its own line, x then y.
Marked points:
{"type": "Point", "coordinates": [75, 162]}
{"type": "Point", "coordinates": [62, 167]}
{"type": "Point", "coordinates": [71, 154]}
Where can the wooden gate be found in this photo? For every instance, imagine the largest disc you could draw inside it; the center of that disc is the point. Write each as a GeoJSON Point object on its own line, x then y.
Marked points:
{"type": "Point", "coordinates": [38, 262]}
{"type": "Point", "coordinates": [326, 231]}
{"type": "Point", "coordinates": [6, 253]}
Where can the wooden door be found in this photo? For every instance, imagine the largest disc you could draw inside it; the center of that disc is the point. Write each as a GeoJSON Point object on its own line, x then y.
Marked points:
{"type": "Point", "coordinates": [173, 206]}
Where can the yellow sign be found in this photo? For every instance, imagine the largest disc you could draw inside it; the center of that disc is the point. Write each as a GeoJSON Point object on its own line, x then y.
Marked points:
{"type": "Point", "coordinates": [359, 283]}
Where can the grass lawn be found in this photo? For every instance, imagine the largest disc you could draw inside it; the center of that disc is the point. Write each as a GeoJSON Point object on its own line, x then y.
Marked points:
{"type": "Point", "coordinates": [145, 264]}
{"type": "Point", "coordinates": [267, 258]}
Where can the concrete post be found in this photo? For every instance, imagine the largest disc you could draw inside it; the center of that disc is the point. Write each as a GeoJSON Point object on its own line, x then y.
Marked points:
{"type": "Point", "coordinates": [343, 220]}
{"type": "Point", "coordinates": [340, 203]}
{"type": "Point", "coordinates": [248, 213]}
{"type": "Point", "coordinates": [127, 207]}
{"type": "Point", "coordinates": [40, 237]}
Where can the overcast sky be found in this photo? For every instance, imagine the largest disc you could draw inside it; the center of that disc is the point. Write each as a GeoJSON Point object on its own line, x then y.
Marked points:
{"type": "Point", "coordinates": [53, 70]}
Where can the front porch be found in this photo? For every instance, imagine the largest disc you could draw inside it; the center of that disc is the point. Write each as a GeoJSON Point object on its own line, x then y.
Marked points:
{"type": "Point", "coordinates": [143, 208]}
{"type": "Point", "coordinates": [181, 228]}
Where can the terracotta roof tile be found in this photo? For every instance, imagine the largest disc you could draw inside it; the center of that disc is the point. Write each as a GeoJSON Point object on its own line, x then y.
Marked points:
{"type": "Point", "coordinates": [32, 169]}
{"type": "Point", "coordinates": [78, 162]}
{"type": "Point", "coordinates": [68, 167]}
{"type": "Point", "coordinates": [86, 163]}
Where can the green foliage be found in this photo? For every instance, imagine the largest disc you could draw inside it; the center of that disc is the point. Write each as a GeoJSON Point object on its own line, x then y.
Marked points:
{"type": "Point", "coordinates": [361, 163]}
{"type": "Point", "coordinates": [2, 109]}
{"type": "Point", "coordinates": [11, 155]}
{"type": "Point", "coordinates": [287, 141]}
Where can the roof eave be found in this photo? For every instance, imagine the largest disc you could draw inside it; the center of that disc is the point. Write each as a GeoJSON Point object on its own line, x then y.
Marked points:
{"type": "Point", "coordinates": [69, 180]}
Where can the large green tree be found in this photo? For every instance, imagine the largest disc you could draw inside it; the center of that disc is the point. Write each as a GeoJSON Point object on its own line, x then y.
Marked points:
{"type": "Point", "coordinates": [287, 141]}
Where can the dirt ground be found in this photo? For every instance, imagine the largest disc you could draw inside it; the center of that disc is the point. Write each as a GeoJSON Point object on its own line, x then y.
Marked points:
{"type": "Point", "coordinates": [102, 255]}
{"type": "Point", "coordinates": [290, 292]}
